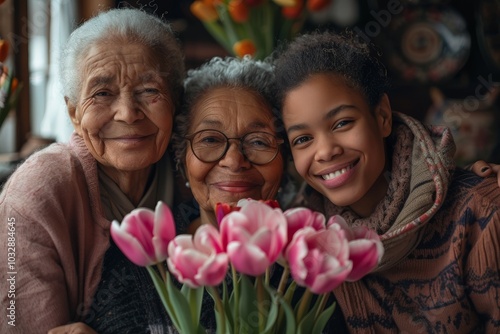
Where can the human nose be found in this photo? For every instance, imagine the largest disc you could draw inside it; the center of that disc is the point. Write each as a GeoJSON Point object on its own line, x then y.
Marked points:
{"type": "Point", "coordinates": [327, 149]}
{"type": "Point", "coordinates": [127, 109]}
{"type": "Point", "coordinates": [234, 158]}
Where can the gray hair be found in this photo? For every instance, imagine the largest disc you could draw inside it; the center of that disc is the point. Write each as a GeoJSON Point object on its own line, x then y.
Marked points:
{"type": "Point", "coordinates": [129, 24]}
{"type": "Point", "coordinates": [246, 73]}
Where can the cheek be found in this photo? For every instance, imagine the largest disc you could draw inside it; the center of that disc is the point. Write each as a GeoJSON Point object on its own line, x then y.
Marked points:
{"type": "Point", "coordinates": [92, 120]}
{"type": "Point", "coordinates": [196, 171]}
{"type": "Point", "coordinates": [272, 176]}
{"type": "Point", "coordinates": [300, 162]}
{"type": "Point", "coordinates": [163, 121]}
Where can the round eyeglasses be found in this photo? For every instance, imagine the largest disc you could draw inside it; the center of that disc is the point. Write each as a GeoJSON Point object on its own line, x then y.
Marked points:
{"type": "Point", "coordinates": [259, 148]}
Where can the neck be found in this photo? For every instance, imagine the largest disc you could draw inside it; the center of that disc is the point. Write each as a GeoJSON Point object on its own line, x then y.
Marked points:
{"type": "Point", "coordinates": [206, 217]}
{"type": "Point", "coordinates": [131, 183]}
{"type": "Point", "coordinates": [367, 205]}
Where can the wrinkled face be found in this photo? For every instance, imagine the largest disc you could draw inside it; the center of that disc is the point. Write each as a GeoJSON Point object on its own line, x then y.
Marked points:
{"type": "Point", "coordinates": [124, 111]}
{"type": "Point", "coordinates": [337, 142]}
{"type": "Point", "coordinates": [235, 112]}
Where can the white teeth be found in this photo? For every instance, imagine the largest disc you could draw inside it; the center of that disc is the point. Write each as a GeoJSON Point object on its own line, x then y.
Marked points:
{"type": "Point", "coordinates": [335, 174]}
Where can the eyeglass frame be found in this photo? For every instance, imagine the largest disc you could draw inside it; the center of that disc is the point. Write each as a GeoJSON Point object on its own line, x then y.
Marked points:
{"type": "Point", "coordinates": [279, 141]}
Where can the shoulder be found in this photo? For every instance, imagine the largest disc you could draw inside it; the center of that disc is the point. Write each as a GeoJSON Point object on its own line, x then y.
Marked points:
{"type": "Point", "coordinates": [49, 167]}
{"type": "Point", "coordinates": [47, 181]}
{"type": "Point", "coordinates": [471, 199]}
{"type": "Point", "coordinates": [467, 185]}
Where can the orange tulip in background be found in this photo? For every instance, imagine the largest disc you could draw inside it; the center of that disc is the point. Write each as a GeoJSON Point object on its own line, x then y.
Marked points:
{"type": "Point", "coordinates": [293, 12]}
{"type": "Point", "coordinates": [254, 27]}
{"type": "Point", "coordinates": [238, 10]}
{"type": "Point", "coordinates": [244, 47]}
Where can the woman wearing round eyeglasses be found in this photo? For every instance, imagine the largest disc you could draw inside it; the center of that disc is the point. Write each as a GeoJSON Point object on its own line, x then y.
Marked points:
{"type": "Point", "coordinates": [226, 140]}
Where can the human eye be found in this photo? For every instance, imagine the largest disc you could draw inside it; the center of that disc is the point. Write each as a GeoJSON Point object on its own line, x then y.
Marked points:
{"type": "Point", "coordinates": [301, 140]}
{"type": "Point", "coordinates": [209, 138]}
{"type": "Point", "coordinates": [102, 96]}
{"type": "Point", "coordinates": [259, 141]}
{"type": "Point", "coordinates": [102, 93]}
{"type": "Point", "coordinates": [150, 90]}
{"type": "Point", "coordinates": [342, 123]}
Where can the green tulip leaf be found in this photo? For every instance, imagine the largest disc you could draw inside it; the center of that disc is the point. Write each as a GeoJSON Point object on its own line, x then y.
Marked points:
{"type": "Point", "coordinates": [162, 289]}
{"type": "Point", "coordinates": [195, 300]}
{"type": "Point", "coordinates": [322, 319]}
{"type": "Point", "coordinates": [248, 310]}
{"type": "Point", "coordinates": [182, 309]}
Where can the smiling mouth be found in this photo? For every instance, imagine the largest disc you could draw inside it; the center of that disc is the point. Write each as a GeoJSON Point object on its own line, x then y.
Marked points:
{"type": "Point", "coordinates": [339, 172]}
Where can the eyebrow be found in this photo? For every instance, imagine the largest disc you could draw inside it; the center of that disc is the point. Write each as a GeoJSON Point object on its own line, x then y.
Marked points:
{"type": "Point", "coordinates": [100, 81]}
{"type": "Point", "coordinates": [150, 77]}
{"type": "Point", "coordinates": [328, 115]}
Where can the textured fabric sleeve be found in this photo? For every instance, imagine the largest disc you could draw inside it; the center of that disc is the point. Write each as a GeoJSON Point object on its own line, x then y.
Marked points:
{"type": "Point", "coordinates": [37, 207]}
{"type": "Point", "coordinates": [482, 268]}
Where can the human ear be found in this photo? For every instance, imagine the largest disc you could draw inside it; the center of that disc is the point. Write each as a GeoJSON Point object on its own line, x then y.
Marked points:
{"type": "Point", "coordinates": [383, 115]}
{"type": "Point", "coordinates": [73, 115]}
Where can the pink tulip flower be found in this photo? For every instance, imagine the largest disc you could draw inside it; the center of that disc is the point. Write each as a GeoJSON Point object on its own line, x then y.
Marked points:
{"type": "Point", "coordinates": [199, 260]}
{"type": "Point", "coordinates": [222, 209]}
{"type": "Point", "coordinates": [365, 248]}
{"type": "Point", "coordinates": [143, 235]}
{"type": "Point", "coordinates": [254, 237]}
{"type": "Point", "coordinates": [298, 218]}
{"type": "Point", "coordinates": [319, 260]}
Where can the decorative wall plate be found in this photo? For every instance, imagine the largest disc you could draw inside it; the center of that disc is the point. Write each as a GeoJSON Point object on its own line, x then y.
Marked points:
{"type": "Point", "coordinates": [428, 44]}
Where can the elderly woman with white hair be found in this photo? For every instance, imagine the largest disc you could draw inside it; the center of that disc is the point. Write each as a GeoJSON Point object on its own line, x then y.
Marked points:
{"type": "Point", "coordinates": [122, 75]}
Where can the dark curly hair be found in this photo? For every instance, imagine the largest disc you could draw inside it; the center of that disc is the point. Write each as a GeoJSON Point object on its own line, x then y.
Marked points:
{"type": "Point", "coordinates": [252, 75]}
{"type": "Point", "coordinates": [343, 54]}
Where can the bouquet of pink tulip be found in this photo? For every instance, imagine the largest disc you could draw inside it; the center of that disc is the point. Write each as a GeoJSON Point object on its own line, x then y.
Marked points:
{"type": "Point", "coordinates": [251, 239]}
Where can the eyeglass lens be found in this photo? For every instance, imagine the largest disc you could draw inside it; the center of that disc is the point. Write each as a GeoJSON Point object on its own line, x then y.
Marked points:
{"type": "Point", "coordinates": [257, 147]}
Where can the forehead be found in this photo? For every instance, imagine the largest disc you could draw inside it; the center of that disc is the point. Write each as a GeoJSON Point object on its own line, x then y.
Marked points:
{"type": "Point", "coordinates": [225, 106]}
{"type": "Point", "coordinates": [120, 58]}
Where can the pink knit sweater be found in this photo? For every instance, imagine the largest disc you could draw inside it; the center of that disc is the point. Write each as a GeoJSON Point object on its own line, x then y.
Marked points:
{"type": "Point", "coordinates": [59, 234]}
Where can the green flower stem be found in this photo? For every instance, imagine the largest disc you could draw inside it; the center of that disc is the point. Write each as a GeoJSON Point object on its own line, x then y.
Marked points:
{"type": "Point", "coordinates": [324, 299]}
{"type": "Point", "coordinates": [304, 305]}
{"type": "Point", "coordinates": [161, 269]}
{"type": "Point", "coordinates": [260, 303]}
{"type": "Point", "coordinates": [268, 276]}
{"type": "Point", "coordinates": [227, 22]}
{"type": "Point", "coordinates": [269, 29]}
{"type": "Point", "coordinates": [216, 30]}
{"type": "Point", "coordinates": [220, 308]}
{"type": "Point", "coordinates": [162, 291]}
{"type": "Point", "coordinates": [236, 295]}
{"type": "Point", "coordinates": [283, 280]}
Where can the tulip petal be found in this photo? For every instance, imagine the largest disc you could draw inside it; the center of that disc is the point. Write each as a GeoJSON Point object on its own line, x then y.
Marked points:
{"type": "Point", "coordinates": [364, 255]}
{"type": "Point", "coordinates": [247, 259]}
{"type": "Point", "coordinates": [139, 223]}
{"type": "Point", "coordinates": [164, 224]}
{"type": "Point", "coordinates": [214, 270]}
{"type": "Point", "coordinates": [330, 279]}
{"type": "Point", "coordinates": [208, 239]}
{"type": "Point", "coordinates": [130, 246]}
